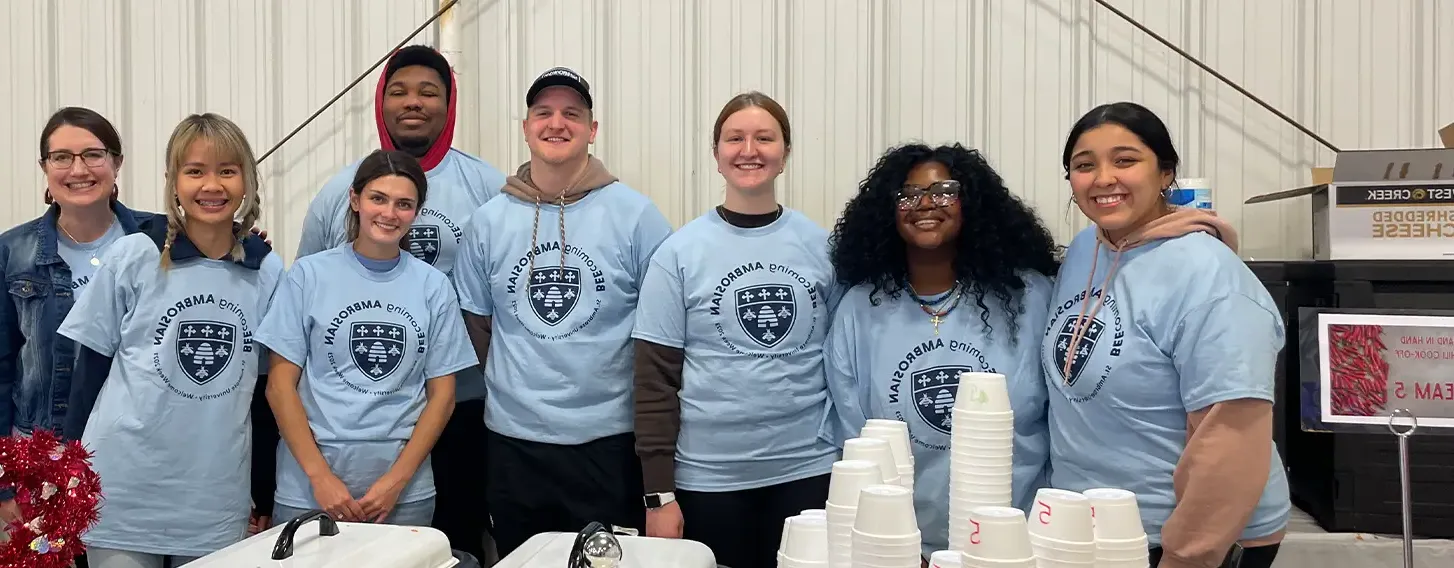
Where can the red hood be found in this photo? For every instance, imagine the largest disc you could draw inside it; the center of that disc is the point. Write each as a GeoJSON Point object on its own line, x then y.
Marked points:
{"type": "Point", "coordinates": [440, 148]}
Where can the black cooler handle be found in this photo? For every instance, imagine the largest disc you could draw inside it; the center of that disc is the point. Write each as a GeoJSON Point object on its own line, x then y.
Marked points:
{"type": "Point", "coordinates": [283, 548]}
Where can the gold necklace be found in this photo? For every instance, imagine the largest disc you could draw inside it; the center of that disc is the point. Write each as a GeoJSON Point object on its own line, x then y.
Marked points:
{"type": "Point", "coordinates": [94, 260]}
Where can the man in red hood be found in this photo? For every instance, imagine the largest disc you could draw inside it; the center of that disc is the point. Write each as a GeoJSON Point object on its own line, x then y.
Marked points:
{"type": "Point", "coordinates": [415, 109]}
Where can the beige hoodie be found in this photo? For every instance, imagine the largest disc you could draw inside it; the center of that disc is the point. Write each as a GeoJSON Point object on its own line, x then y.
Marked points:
{"type": "Point", "coordinates": [1224, 467]}
{"type": "Point", "coordinates": [594, 176]}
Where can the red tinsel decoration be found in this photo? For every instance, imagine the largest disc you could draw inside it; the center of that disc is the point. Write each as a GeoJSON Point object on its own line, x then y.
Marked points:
{"type": "Point", "coordinates": [59, 497]}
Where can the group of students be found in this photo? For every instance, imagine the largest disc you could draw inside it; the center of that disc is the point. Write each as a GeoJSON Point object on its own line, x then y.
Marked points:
{"type": "Point", "coordinates": [524, 354]}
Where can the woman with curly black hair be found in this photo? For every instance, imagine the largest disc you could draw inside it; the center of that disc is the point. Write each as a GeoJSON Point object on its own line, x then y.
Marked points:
{"type": "Point", "coordinates": [948, 271]}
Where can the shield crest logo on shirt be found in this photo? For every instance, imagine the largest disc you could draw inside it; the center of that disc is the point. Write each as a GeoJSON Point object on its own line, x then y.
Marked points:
{"type": "Point", "coordinates": [766, 312]}
{"type": "Point", "coordinates": [376, 347]}
{"type": "Point", "coordinates": [554, 292]}
{"type": "Point", "coordinates": [204, 348]}
{"type": "Point", "coordinates": [424, 242]}
{"type": "Point", "coordinates": [934, 391]}
{"type": "Point", "coordinates": [1083, 348]}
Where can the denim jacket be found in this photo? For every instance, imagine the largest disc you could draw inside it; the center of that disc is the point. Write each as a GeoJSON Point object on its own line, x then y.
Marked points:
{"type": "Point", "coordinates": [36, 363]}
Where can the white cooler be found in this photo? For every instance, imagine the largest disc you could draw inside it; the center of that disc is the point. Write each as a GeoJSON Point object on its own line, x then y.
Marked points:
{"type": "Point", "coordinates": [552, 550]}
{"type": "Point", "coordinates": [357, 545]}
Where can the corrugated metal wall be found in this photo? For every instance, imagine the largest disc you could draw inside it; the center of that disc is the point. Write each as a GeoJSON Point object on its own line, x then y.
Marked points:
{"type": "Point", "coordinates": [1008, 76]}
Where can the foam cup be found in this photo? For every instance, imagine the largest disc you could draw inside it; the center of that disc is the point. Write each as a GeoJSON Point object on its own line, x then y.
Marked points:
{"type": "Point", "coordinates": [886, 511]}
{"type": "Point", "coordinates": [946, 559]}
{"type": "Point", "coordinates": [1062, 515]}
{"type": "Point", "coordinates": [876, 451]}
{"type": "Point", "coordinates": [1116, 515]}
{"type": "Point", "coordinates": [806, 539]}
{"type": "Point", "coordinates": [898, 442]}
{"type": "Point", "coordinates": [847, 479]}
{"type": "Point", "coordinates": [982, 392]}
{"type": "Point", "coordinates": [996, 533]}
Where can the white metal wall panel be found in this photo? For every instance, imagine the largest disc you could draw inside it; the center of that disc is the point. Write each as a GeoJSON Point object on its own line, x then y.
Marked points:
{"type": "Point", "coordinates": [857, 76]}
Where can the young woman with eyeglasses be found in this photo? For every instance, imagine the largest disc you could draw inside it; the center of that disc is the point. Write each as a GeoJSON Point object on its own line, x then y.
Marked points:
{"type": "Point", "coordinates": [949, 272]}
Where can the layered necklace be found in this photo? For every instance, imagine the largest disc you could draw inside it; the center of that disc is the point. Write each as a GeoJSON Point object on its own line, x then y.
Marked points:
{"type": "Point", "coordinates": [937, 309]}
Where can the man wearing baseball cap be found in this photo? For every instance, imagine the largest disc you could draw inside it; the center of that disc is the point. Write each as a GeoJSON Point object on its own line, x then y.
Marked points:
{"type": "Point", "coordinates": [414, 109]}
{"type": "Point", "coordinates": [548, 278]}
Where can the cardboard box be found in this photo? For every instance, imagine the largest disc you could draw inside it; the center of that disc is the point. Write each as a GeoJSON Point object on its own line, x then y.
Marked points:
{"type": "Point", "coordinates": [1382, 204]}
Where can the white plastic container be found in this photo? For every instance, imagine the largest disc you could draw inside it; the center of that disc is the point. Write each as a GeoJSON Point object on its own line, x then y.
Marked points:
{"type": "Point", "coordinates": [356, 545]}
{"type": "Point", "coordinates": [552, 550]}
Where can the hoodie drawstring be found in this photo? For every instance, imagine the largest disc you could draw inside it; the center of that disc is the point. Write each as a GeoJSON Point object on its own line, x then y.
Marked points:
{"type": "Point", "coordinates": [535, 235]}
{"type": "Point", "coordinates": [535, 230]}
{"type": "Point", "coordinates": [1087, 310]}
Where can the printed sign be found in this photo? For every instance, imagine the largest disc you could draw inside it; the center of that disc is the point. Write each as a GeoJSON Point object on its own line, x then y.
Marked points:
{"type": "Point", "coordinates": [1370, 365]}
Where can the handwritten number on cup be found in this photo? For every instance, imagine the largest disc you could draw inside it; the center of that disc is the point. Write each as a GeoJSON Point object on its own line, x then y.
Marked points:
{"type": "Point", "coordinates": [1044, 515]}
{"type": "Point", "coordinates": [974, 536]}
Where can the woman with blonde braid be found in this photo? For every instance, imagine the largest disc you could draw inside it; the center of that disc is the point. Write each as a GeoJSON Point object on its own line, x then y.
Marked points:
{"type": "Point", "coordinates": [167, 365]}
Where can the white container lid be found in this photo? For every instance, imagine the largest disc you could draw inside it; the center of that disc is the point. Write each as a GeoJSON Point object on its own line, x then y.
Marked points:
{"type": "Point", "coordinates": [357, 545]}
{"type": "Point", "coordinates": [1193, 183]}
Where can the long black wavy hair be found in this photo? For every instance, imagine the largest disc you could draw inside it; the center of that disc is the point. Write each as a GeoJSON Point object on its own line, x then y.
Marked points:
{"type": "Point", "coordinates": [999, 235]}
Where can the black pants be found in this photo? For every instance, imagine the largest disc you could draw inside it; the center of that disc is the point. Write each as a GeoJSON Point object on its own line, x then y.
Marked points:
{"type": "Point", "coordinates": [460, 508]}
{"type": "Point", "coordinates": [744, 528]}
{"type": "Point", "coordinates": [1255, 557]}
{"type": "Point", "coordinates": [535, 488]}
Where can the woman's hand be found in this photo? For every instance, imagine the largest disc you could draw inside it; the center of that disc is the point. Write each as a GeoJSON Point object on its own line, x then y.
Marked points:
{"type": "Point", "coordinates": [665, 521]}
{"type": "Point", "coordinates": [333, 497]}
{"type": "Point", "coordinates": [262, 234]}
{"type": "Point", "coordinates": [381, 498]}
{"type": "Point", "coordinates": [257, 523]}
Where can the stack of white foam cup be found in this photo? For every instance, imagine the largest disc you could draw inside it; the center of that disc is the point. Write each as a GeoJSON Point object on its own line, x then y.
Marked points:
{"type": "Point", "coordinates": [981, 449]}
{"type": "Point", "coordinates": [886, 530]}
{"type": "Point", "coordinates": [805, 543]}
{"type": "Point", "coordinates": [874, 450]}
{"type": "Point", "coordinates": [998, 538]}
{"type": "Point", "coordinates": [896, 433]}
{"type": "Point", "coordinates": [848, 479]}
{"type": "Point", "coordinates": [1061, 530]}
{"type": "Point", "coordinates": [1120, 537]}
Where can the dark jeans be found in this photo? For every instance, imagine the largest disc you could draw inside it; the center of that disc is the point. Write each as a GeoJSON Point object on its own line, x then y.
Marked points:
{"type": "Point", "coordinates": [1255, 557]}
{"type": "Point", "coordinates": [743, 528]}
{"type": "Point", "coordinates": [460, 509]}
{"type": "Point", "coordinates": [534, 488]}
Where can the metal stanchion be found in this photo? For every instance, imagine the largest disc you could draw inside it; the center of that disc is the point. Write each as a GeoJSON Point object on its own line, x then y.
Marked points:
{"type": "Point", "coordinates": [1403, 478]}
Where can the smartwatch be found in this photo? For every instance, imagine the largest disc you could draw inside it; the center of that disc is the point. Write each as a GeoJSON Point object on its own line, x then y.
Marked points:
{"type": "Point", "coordinates": [659, 500]}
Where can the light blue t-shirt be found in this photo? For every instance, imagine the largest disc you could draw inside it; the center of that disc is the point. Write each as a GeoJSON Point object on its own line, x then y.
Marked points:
{"type": "Point", "coordinates": [885, 361]}
{"type": "Point", "coordinates": [83, 258]}
{"type": "Point", "coordinates": [750, 307]}
{"type": "Point", "coordinates": [367, 342]}
{"type": "Point", "coordinates": [560, 364]}
{"type": "Point", "coordinates": [171, 428]}
{"type": "Point", "coordinates": [459, 185]}
{"type": "Point", "coordinates": [1185, 325]}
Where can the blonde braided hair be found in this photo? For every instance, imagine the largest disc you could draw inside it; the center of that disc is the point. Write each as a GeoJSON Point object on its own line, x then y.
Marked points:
{"type": "Point", "coordinates": [228, 141]}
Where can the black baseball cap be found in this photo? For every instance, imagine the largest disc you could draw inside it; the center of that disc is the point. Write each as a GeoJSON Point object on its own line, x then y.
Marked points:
{"type": "Point", "coordinates": [559, 77]}
{"type": "Point", "coordinates": [425, 56]}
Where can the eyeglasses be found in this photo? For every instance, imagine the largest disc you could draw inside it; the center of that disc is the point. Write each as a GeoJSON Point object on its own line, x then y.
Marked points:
{"type": "Point", "coordinates": [62, 159]}
{"type": "Point", "coordinates": [941, 194]}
